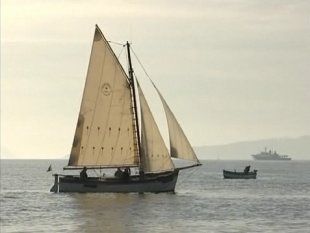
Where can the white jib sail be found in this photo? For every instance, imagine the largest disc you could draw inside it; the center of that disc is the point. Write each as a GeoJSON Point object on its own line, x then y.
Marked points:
{"type": "Point", "coordinates": [179, 144]}
{"type": "Point", "coordinates": [105, 132]}
{"type": "Point", "coordinates": [154, 153]}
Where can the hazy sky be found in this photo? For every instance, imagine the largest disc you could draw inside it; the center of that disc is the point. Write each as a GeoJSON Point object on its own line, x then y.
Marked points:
{"type": "Point", "coordinates": [230, 70]}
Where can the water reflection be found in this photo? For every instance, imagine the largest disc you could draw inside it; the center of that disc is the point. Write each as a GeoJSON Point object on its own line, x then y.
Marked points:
{"type": "Point", "coordinates": [104, 212]}
{"type": "Point", "coordinates": [124, 212]}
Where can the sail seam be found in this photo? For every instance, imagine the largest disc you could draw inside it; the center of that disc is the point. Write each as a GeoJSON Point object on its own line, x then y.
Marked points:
{"type": "Point", "coordinates": [95, 108]}
{"type": "Point", "coordinates": [109, 114]}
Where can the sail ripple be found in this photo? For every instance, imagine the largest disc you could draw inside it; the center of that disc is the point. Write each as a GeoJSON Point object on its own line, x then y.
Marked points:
{"type": "Point", "coordinates": [105, 132]}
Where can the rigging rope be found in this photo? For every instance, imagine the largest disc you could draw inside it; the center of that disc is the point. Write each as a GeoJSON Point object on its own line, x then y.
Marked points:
{"type": "Point", "coordinates": [140, 63]}
{"type": "Point", "coordinates": [113, 42]}
{"type": "Point", "coordinates": [120, 52]}
{"type": "Point", "coordinates": [117, 43]}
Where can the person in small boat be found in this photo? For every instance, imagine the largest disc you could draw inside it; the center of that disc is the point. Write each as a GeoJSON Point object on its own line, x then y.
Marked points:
{"type": "Point", "coordinates": [247, 169]}
{"type": "Point", "coordinates": [83, 174]}
{"type": "Point", "coordinates": [118, 173]}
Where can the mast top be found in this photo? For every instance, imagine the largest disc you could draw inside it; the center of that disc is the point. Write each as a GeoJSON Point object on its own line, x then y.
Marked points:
{"type": "Point", "coordinates": [130, 70]}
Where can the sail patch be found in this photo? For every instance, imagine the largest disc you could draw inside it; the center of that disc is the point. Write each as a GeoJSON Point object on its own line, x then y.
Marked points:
{"type": "Point", "coordinates": [106, 89]}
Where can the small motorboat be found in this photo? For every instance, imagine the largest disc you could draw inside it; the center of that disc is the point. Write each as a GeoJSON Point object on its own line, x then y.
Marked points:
{"type": "Point", "coordinates": [246, 174]}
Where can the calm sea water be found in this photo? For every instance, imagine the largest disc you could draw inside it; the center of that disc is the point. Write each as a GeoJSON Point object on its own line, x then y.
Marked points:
{"type": "Point", "coordinates": [278, 201]}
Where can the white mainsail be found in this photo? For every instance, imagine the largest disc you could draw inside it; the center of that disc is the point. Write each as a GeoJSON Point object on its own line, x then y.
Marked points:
{"type": "Point", "coordinates": [105, 133]}
{"type": "Point", "coordinates": [179, 144]}
{"type": "Point", "coordinates": [154, 153]}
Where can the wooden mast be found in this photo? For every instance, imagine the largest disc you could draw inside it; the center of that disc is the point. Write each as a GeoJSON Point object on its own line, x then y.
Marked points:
{"type": "Point", "coordinates": [132, 82]}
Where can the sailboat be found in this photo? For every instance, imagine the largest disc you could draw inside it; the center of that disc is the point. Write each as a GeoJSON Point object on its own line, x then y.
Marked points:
{"type": "Point", "coordinates": [49, 168]}
{"type": "Point", "coordinates": [109, 134]}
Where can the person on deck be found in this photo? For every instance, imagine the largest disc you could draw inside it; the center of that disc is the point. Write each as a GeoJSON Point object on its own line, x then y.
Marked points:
{"type": "Point", "coordinates": [247, 169]}
{"type": "Point", "coordinates": [118, 173]}
{"type": "Point", "coordinates": [141, 173]}
{"type": "Point", "coordinates": [83, 174]}
{"type": "Point", "coordinates": [127, 172]}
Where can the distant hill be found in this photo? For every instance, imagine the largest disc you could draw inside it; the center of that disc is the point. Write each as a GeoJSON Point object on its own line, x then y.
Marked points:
{"type": "Point", "coordinates": [297, 148]}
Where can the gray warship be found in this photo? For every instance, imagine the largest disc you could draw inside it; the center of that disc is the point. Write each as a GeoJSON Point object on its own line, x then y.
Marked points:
{"type": "Point", "coordinates": [270, 155]}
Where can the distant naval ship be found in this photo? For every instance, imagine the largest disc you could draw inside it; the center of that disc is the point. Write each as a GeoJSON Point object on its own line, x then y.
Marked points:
{"type": "Point", "coordinates": [270, 155]}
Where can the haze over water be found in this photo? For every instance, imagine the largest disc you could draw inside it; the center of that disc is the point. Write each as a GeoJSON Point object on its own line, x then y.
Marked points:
{"type": "Point", "coordinates": [278, 201]}
{"type": "Point", "coordinates": [230, 70]}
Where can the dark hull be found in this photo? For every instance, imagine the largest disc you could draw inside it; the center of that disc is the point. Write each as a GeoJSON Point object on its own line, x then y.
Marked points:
{"type": "Point", "coordinates": [155, 183]}
{"type": "Point", "coordinates": [259, 157]}
{"type": "Point", "coordinates": [239, 175]}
